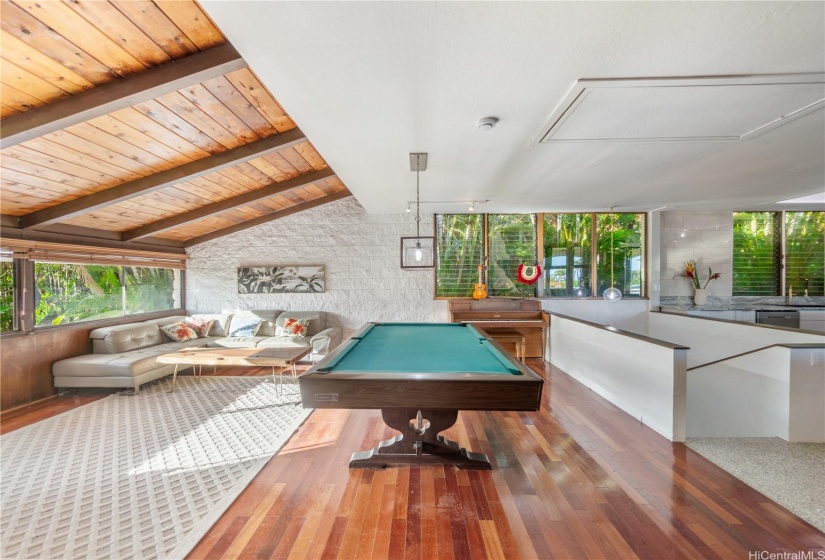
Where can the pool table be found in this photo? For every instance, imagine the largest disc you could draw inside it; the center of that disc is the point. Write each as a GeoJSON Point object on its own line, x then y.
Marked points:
{"type": "Point", "coordinates": [420, 375]}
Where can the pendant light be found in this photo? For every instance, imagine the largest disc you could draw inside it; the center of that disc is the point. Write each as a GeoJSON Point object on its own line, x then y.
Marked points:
{"type": "Point", "coordinates": [418, 252]}
{"type": "Point", "coordinates": [612, 293]}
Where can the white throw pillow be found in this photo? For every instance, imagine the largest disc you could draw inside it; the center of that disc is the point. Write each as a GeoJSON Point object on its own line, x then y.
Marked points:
{"type": "Point", "coordinates": [245, 326]}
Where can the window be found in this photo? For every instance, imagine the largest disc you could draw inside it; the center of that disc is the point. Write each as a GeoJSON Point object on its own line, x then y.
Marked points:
{"type": "Point", "coordinates": [805, 252]}
{"type": "Point", "coordinates": [68, 293]}
{"type": "Point", "coordinates": [460, 247]}
{"type": "Point", "coordinates": [626, 233]}
{"type": "Point", "coordinates": [567, 255]}
{"type": "Point", "coordinates": [6, 294]}
{"type": "Point", "coordinates": [757, 253]}
{"type": "Point", "coordinates": [511, 242]}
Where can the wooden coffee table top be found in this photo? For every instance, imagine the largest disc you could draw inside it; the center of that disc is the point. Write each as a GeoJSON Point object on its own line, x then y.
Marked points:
{"type": "Point", "coordinates": [236, 356]}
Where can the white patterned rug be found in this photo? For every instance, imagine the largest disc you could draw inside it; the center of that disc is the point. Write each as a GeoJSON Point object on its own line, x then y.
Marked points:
{"type": "Point", "coordinates": [139, 476]}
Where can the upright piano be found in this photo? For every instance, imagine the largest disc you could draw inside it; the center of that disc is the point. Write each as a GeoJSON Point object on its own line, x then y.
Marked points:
{"type": "Point", "coordinates": [505, 314]}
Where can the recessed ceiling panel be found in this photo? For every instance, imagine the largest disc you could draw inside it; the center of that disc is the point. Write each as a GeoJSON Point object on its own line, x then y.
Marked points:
{"type": "Point", "coordinates": [680, 109]}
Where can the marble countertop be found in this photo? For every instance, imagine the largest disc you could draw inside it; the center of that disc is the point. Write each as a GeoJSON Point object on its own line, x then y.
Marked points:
{"type": "Point", "coordinates": [743, 304]}
{"type": "Point", "coordinates": [741, 307]}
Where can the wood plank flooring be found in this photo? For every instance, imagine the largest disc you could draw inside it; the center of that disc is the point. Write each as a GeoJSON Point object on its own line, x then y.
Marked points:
{"type": "Point", "coordinates": [578, 479]}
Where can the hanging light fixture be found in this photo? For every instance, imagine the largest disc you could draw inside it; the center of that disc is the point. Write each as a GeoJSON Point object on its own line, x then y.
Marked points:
{"type": "Point", "coordinates": [612, 293]}
{"type": "Point", "coordinates": [418, 252]}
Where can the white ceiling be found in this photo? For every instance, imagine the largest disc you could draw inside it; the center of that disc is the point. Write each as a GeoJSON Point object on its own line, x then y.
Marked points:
{"type": "Point", "coordinates": [369, 82]}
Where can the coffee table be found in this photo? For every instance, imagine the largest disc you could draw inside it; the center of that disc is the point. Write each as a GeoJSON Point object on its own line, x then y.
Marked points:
{"type": "Point", "coordinates": [282, 358]}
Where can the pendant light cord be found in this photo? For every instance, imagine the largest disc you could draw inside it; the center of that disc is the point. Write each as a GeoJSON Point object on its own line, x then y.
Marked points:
{"type": "Point", "coordinates": [612, 230]}
{"type": "Point", "coordinates": [418, 196]}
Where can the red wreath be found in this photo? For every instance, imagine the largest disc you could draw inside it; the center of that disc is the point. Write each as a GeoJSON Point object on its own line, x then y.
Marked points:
{"type": "Point", "coordinates": [528, 274]}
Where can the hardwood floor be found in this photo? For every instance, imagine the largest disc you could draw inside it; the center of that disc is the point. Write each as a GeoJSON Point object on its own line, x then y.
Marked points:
{"type": "Point", "coordinates": [579, 479]}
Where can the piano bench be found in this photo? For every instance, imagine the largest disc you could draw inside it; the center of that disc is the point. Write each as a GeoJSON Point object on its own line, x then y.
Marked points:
{"type": "Point", "coordinates": [512, 336]}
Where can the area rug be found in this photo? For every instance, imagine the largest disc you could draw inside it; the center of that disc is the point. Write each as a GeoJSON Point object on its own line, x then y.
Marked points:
{"type": "Point", "coordinates": [140, 476]}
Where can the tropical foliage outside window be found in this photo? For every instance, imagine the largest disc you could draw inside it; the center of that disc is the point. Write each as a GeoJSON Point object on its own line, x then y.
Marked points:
{"type": "Point", "coordinates": [512, 241]}
{"type": "Point", "coordinates": [628, 261]}
{"type": "Point", "coordinates": [68, 293]}
{"type": "Point", "coordinates": [6, 295]}
{"type": "Point", "coordinates": [567, 255]}
{"type": "Point", "coordinates": [757, 253]}
{"type": "Point", "coordinates": [459, 251]}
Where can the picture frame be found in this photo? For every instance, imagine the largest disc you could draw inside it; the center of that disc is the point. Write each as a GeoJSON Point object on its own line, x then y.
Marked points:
{"type": "Point", "coordinates": [282, 279]}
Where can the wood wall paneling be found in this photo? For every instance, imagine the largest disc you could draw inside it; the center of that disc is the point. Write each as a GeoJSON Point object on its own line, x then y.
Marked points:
{"type": "Point", "coordinates": [26, 359]}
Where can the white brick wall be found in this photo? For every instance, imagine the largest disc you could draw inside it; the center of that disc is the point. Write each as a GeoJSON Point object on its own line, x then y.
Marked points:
{"type": "Point", "coordinates": [361, 252]}
{"type": "Point", "coordinates": [707, 238]}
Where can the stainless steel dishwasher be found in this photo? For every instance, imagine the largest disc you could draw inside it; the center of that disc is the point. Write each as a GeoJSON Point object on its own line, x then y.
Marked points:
{"type": "Point", "coordinates": [789, 318]}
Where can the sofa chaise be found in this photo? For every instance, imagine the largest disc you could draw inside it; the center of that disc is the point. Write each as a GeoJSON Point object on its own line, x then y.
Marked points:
{"type": "Point", "coordinates": [125, 356]}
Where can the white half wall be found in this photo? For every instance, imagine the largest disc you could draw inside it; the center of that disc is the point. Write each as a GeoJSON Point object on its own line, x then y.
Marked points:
{"type": "Point", "coordinates": [711, 340]}
{"type": "Point", "coordinates": [643, 378]}
{"type": "Point", "coordinates": [361, 253]}
{"type": "Point", "coordinates": [776, 392]}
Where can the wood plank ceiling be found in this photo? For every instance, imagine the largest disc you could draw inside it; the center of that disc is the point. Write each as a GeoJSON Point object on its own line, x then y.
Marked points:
{"type": "Point", "coordinates": [135, 121]}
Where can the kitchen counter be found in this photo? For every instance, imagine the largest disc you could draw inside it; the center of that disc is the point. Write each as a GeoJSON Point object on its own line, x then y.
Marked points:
{"type": "Point", "coordinates": [742, 304]}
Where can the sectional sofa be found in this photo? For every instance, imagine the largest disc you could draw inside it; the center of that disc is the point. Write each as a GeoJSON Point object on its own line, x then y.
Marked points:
{"type": "Point", "coordinates": [125, 356]}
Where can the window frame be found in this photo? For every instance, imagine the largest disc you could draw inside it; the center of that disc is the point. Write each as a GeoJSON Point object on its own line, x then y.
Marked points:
{"type": "Point", "coordinates": [24, 286]}
{"type": "Point", "coordinates": [781, 263]}
{"type": "Point", "coordinates": [540, 251]}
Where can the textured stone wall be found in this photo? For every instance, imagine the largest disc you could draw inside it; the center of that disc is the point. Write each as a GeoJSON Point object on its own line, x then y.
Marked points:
{"type": "Point", "coordinates": [361, 252]}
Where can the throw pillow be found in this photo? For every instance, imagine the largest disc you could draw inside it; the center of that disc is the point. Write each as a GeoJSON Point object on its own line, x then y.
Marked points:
{"type": "Point", "coordinates": [244, 326]}
{"type": "Point", "coordinates": [179, 332]}
{"type": "Point", "coordinates": [200, 325]}
{"type": "Point", "coordinates": [293, 327]}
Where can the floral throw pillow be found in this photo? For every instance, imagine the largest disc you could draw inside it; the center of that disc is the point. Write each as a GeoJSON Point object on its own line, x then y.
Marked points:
{"type": "Point", "coordinates": [179, 332]}
{"type": "Point", "coordinates": [199, 325]}
{"type": "Point", "coordinates": [244, 326]}
{"type": "Point", "coordinates": [293, 327]}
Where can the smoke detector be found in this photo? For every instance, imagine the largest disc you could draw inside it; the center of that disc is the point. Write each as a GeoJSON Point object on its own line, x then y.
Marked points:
{"type": "Point", "coordinates": [487, 123]}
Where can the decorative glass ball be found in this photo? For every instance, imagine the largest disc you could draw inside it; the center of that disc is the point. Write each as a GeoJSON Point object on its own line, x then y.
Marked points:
{"type": "Point", "coordinates": [612, 294]}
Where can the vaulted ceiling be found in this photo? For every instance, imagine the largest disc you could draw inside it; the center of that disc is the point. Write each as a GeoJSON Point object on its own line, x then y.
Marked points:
{"type": "Point", "coordinates": [651, 104]}
{"type": "Point", "coordinates": [135, 122]}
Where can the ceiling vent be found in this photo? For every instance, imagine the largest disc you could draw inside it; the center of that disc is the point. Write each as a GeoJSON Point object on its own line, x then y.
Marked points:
{"type": "Point", "coordinates": [728, 108]}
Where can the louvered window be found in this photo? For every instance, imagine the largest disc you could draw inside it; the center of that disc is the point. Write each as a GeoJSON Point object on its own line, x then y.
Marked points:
{"type": "Point", "coordinates": [460, 249]}
{"type": "Point", "coordinates": [805, 252]}
{"type": "Point", "coordinates": [756, 253]}
{"type": "Point", "coordinates": [512, 241]}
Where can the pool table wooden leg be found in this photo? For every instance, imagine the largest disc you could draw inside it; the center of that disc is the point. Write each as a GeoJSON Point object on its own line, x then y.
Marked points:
{"type": "Point", "coordinates": [419, 442]}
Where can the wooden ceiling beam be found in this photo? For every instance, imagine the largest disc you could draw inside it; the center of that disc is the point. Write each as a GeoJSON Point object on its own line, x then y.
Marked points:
{"type": "Point", "coordinates": [227, 204]}
{"type": "Point", "coordinates": [91, 237]}
{"type": "Point", "coordinates": [267, 218]}
{"type": "Point", "coordinates": [161, 180]}
{"type": "Point", "coordinates": [120, 94]}
{"type": "Point", "coordinates": [9, 221]}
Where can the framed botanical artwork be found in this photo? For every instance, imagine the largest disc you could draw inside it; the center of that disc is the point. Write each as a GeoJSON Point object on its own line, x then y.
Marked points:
{"type": "Point", "coordinates": [290, 279]}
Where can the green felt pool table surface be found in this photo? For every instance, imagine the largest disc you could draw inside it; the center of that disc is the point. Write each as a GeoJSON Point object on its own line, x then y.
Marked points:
{"type": "Point", "coordinates": [423, 348]}
{"type": "Point", "coordinates": [420, 375]}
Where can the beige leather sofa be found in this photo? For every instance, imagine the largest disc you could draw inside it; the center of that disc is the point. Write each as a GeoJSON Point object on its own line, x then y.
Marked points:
{"type": "Point", "coordinates": [125, 356]}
